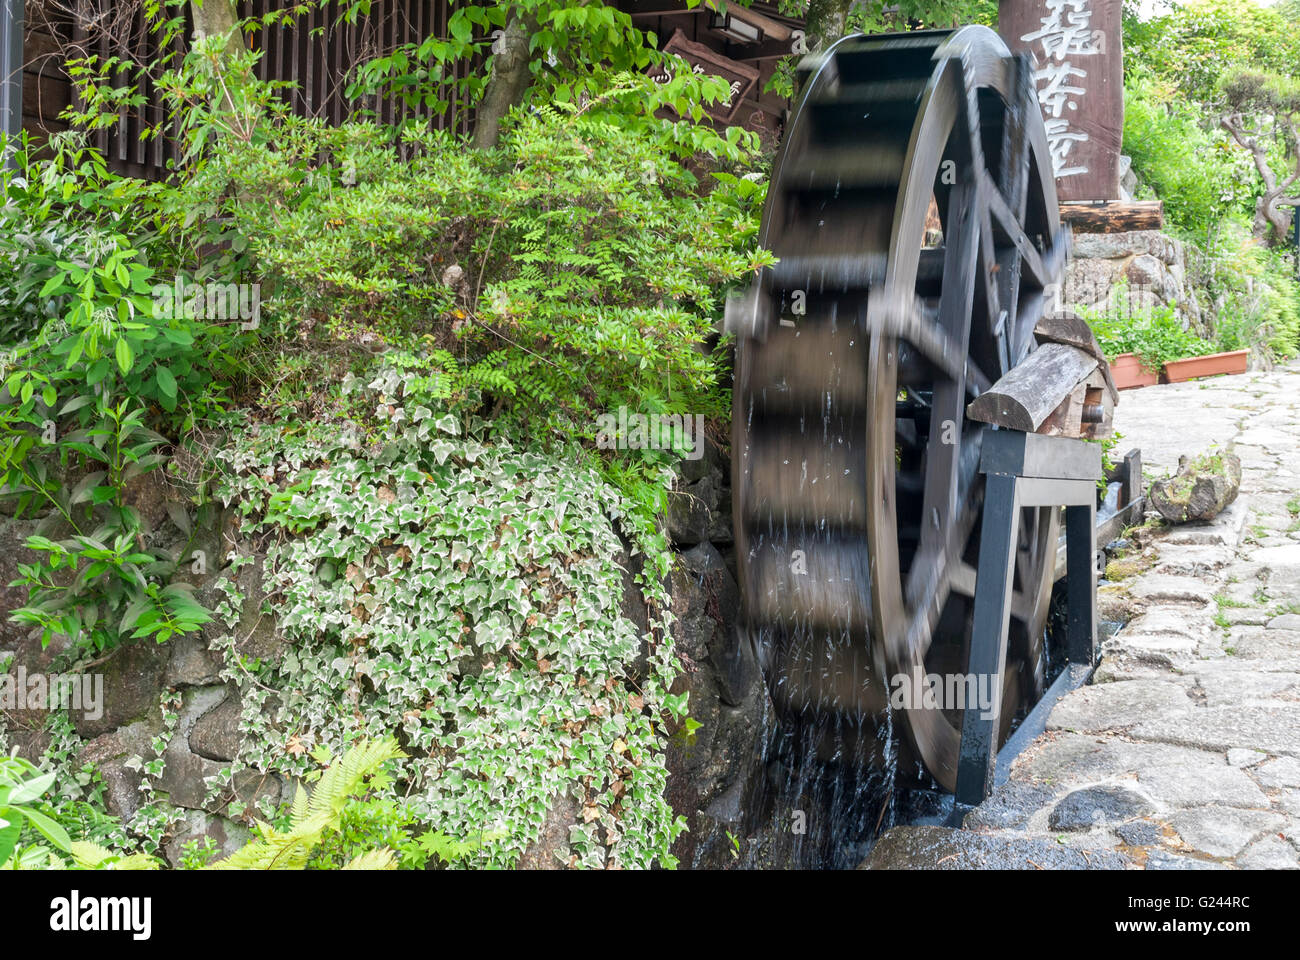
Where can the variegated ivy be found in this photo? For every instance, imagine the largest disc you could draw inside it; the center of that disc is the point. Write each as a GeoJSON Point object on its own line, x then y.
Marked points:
{"type": "Point", "coordinates": [463, 590]}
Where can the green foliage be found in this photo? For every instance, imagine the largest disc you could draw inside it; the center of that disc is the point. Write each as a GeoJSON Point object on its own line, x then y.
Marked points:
{"type": "Point", "coordinates": [89, 363]}
{"type": "Point", "coordinates": [1195, 45]}
{"type": "Point", "coordinates": [434, 575]}
{"type": "Point", "coordinates": [572, 270]}
{"type": "Point", "coordinates": [1154, 333]}
{"type": "Point", "coordinates": [465, 589]}
{"type": "Point", "coordinates": [96, 587]}
{"type": "Point", "coordinates": [1196, 173]}
{"type": "Point", "coordinates": [91, 856]}
{"type": "Point", "coordinates": [886, 16]}
{"type": "Point", "coordinates": [314, 816]}
{"type": "Point", "coordinates": [21, 787]}
{"type": "Point", "coordinates": [580, 53]}
{"type": "Point", "coordinates": [1254, 293]}
{"type": "Point", "coordinates": [1186, 71]}
{"type": "Point", "coordinates": [198, 853]}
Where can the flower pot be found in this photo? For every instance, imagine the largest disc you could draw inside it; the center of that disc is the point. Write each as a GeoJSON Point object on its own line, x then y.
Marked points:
{"type": "Point", "coordinates": [1234, 361]}
{"type": "Point", "coordinates": [1127, 372]}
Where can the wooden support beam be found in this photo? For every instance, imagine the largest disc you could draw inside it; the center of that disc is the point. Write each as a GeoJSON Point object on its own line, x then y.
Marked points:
{"type": "Point", "coordinates": [1070, 328]}
{"type": "Point", "coordinates": [657, 8]}
{"type": "Point", "coordinates": [771, 29]}
{"type": "Point", "coordinates": [1059, 390]}
{"type": "Point", "coordinates": [751, 52]}
{"type": "Point", "coordinates": [1129, 473]}
{"type": "Point", "coordinates": [1026, 395]}
{"type": "Point", "coordinates": [1114, 216]}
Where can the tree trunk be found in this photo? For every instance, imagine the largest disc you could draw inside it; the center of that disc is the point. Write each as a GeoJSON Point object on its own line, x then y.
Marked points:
{"type": "Point", "coordinates": [1271, 222]}
{"type": "Point", "coordinates": [826, 22]}
{"type": "Point", "coordinates": [214, 18]}
{"type": "Point", "coordinates": [509, 82]}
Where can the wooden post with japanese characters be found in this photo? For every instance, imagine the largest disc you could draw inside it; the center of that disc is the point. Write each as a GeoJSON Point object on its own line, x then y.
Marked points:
{"type": "Point", "coordinates": [1079, 73]}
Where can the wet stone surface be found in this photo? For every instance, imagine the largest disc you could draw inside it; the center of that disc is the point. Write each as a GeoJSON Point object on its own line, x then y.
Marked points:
{"type": "Point", "coordinates": [1094, 806]}
{"type": "Point", "coordinates": [1184, 752]}
{"type": "Point", "coordinates": [941, 848]}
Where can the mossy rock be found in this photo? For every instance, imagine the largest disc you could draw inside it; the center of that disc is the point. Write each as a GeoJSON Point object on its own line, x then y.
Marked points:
{"type": "Point", "coordinates": [1127, 567]}
{"type": "Point", "coordinates": [1200, 489]}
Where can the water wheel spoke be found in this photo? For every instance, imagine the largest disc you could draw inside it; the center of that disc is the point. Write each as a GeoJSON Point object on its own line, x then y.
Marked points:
{"type": "Point", "coordinates": [907, 317]}
{"type": "Point", "coordinates": [1013, 175]}
{"type": "Point", "coordinates": [1009, 231]}
{"type": "Point", "coordinates": [943, 451]}
{"type": "Point", "coordinates": [963, 579]}
{"type": "Point", "coordinates": [930, 579]}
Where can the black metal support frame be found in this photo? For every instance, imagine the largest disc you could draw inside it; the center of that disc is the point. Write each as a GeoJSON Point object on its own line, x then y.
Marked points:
{"type": "Point", "coordinates": [1027, 470]}
{"type": "Point", "coordinates": [11, 69]}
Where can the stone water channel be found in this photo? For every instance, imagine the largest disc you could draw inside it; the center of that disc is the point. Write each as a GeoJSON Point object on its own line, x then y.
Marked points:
{"type": "Point", "coordinates": [1184, 752]}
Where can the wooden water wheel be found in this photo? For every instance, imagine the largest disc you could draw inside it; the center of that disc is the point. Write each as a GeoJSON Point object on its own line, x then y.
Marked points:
{"type": "Point", "coordinates": [857, 497]}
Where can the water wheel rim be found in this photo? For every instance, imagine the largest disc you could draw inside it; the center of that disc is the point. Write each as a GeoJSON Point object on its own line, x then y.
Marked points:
{"type": "Point", "coordinates": [969, 63]}
{"type": "Point", "coordinates": [962, 63]}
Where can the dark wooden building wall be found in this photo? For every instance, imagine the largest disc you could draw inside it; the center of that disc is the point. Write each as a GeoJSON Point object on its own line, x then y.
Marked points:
{"type": "Point", "coordinates": [317, 54]}
{"type": "Point", "coordinates": [46, 90]}
{"type": "Point", "coordinates": [762, 112]}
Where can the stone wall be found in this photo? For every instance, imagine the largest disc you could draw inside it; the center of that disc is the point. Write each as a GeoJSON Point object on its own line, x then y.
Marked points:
{"type": "Point", "coordinates": [713, 766]}
{"type": "Point", "coordinates": [137, 680]}
{"type": "Point", "coordinates": [1153, 264]}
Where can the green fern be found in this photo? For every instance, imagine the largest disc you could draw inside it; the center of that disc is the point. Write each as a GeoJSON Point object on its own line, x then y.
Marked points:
{"type": "Point", "coordinates": [91, 856]}
{"type": "Point", "coordinates": [312, 816]}
{"type": "Point", "coordinates": [372, 860]}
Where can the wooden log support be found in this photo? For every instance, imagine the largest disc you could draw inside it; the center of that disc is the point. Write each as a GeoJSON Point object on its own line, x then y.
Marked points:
{"type": "Point", "coordinates": [1068, 327]}
{"type": "Point", "coordinates": [1059, 390]}
{"type": "Point", "coordinates": [1114, 216]}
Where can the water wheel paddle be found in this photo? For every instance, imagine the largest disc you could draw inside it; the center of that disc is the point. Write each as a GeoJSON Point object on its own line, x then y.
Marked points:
{"type": "Point", "coordinates": [914, 212]}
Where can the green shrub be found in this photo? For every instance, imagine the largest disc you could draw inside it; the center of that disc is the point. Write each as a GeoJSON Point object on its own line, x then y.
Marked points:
{"type": "Point", "coordinates": [1196, 173]}
{"type": "Point", "coordinates": [575, 268]}
{"type": "Point", "coordinates": [90, 370]}
{"type": "Point", "coordinates": [1251, 290]}
{"type": "Point", "coordinates": [1154, 333]}
{"type": "Point", "coordinates": [21, 787]}
{"type": "Point", "coordinates": [1194, 44]}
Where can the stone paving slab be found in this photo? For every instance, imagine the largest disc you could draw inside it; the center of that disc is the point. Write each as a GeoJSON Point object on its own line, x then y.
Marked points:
{"type": "Point", "coordinates": [1184, 752]}
{"type": "Point", "coordinates": [940, 848]}
{"type": "Point", "coordinates": [1114, 706]}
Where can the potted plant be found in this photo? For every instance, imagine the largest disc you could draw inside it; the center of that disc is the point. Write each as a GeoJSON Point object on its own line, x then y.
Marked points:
{"type": "Point", "coordinates": [1208, 365]}
{"type": "Point", "coordinates": [1139, 344]}
{"type": "Point", "coordinates": [1128, 371]}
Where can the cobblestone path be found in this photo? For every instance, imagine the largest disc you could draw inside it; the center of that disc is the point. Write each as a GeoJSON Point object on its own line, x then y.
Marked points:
{"type": "Point", "coordinates": [1184, 753]}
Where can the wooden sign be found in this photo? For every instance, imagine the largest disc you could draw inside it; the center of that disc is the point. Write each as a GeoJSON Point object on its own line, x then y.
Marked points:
{"type": "Point", "coordinates": [1079, 74]}
{"type": "Point", "coordinates": [739, 76]}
